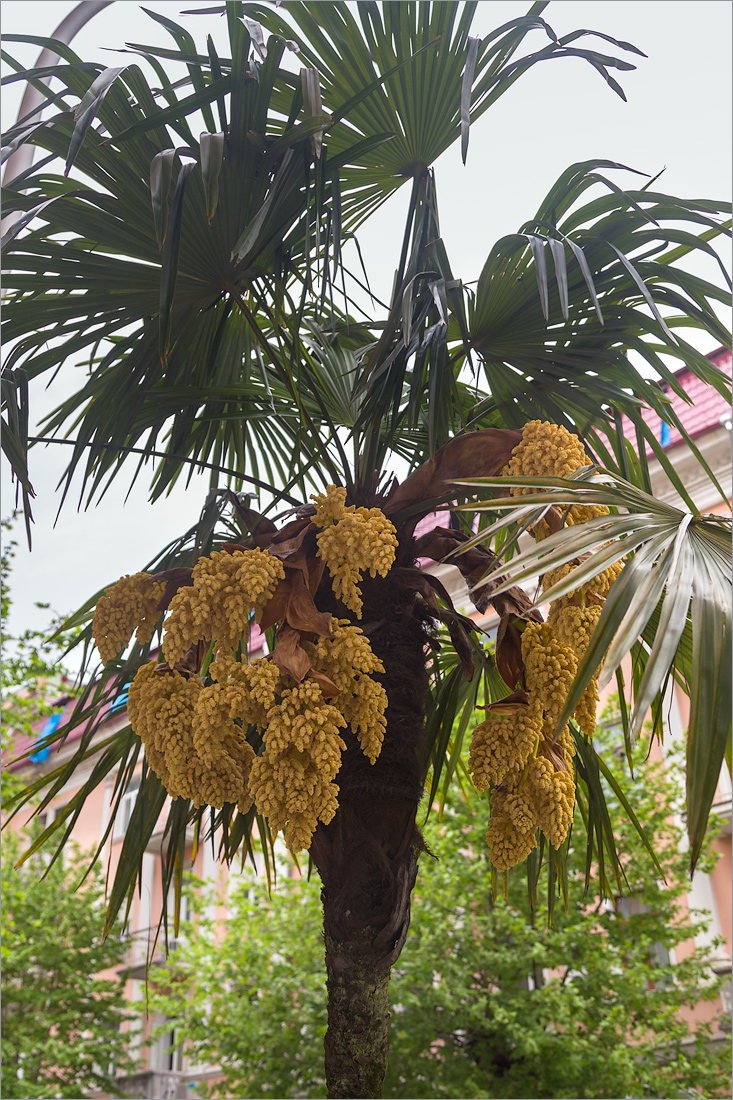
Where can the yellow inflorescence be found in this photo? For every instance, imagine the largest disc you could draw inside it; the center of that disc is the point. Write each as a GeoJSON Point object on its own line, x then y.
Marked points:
{"type": "Point", "coordinates": [601, 584]}
{"type": "Point", "coordinates": [330, 506]}
{"type": "Point", "coordinates": [573, 625]}
{"type": "Point", "coordinates": [553, 796]}
{"type": "Point", "coordinates": [364, 710]}
{"type": "Point", "coordinates": [196, 734]}
{"type": "Point", "coordinates": [533, 781]}
{"type": "Point", "coordinates": [549, 450]}
{"type": "Point", "coordinates": [227, 590]}
{"type": "Point", "coordinates": [196, 737]}
{"type": "Point", "coordinates": [508, 844]}
{"type": "Point", "coordinates": [347, 658]}
{"type": "Point", "coordinates": [160, 706]}
{"type": "Point", "coordinates": [131, 604]}
{"type": "Point", "coordinates": [352, 541]}
{"type": "Point", "coordinates": [503, 743]}
{"type": "Point", "coordinates": [292, 782]}
{"type": "Point", "coordinates": [549, 668]}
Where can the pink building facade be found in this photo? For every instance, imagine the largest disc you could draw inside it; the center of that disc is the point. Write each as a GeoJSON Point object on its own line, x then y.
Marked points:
{"type": "Point", "coordinates": [163, 1072]}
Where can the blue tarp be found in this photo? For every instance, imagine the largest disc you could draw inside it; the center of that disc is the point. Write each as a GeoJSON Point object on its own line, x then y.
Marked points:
{"type": "Point", "coordinates": [120, 701]}
{"type": "Point", "coordinates": [50, 727]}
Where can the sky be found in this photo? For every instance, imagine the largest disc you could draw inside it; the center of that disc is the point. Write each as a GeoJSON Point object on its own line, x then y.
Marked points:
{"type": "Point", "coordinates": [677, 119]}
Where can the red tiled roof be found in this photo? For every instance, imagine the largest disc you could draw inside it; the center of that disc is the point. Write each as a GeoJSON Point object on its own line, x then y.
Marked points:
{"type": "Point", "coordinates": [705, 413]}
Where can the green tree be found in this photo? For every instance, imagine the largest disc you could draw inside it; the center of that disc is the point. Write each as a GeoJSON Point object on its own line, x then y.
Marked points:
{"type": "Point", "coordinates": [490, 998]}
{"type": "Point", "coordinates": [63, 1004]}
{"type": "Point", "coordinates": [205, 281]}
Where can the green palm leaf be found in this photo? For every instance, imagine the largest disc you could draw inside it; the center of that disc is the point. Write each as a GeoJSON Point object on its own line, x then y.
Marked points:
{"type": "Point", "coordinates": [550, 352]}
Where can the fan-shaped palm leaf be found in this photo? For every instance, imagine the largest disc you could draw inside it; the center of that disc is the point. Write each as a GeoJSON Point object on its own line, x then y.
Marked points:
{"type": "Point", "coordinates": [554, 338]}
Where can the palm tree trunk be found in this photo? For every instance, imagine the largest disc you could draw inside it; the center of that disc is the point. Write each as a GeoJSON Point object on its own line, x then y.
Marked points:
{"type": "Point", "coordinates": [367, 856]}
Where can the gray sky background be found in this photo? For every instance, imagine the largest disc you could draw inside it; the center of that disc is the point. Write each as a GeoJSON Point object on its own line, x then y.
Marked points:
{"type": "Point", "coordinates": [678, 118]}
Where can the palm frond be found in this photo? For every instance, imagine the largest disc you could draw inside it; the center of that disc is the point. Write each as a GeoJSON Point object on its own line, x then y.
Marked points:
{"type": "Point", "coordinates": [562, 309]}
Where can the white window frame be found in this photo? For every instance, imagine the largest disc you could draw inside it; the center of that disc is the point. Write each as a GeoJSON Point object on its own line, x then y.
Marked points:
{"type": "Point", "coordinates": [124, 810]}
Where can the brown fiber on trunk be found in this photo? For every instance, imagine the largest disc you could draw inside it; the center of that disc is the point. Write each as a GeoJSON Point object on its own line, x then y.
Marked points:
{"type": "Point", "coordinates": [367, 856]}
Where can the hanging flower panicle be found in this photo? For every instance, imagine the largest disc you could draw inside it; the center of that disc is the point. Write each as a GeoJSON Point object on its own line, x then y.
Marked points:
{"type": "Point", "coordinates": [196, 733]}
{"type": "Point", "coordinates": [346, 657]}
{"type": "Point", "coordinates": [352, 541]}
{"type": "Point", "coordinates": [549, 450]}
{"type": "Point", "coordinates": [129, 605]}
{"type": "Point", "coordinates": [532, 777]}
{"type": "Point", "coordinates": [292, 782]}
{"type": "Point", "coordinates": [228, 591]}
{"type": "Point", "coordinates": [502, 744]}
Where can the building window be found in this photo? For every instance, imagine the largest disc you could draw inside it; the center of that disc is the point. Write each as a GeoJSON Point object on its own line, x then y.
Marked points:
{"type": "Point", "coordinates": [626, 907]}
{"type": "Point", "coordinates": [124, 810]}
{"type": "Point", "coordinates": [165, 1056]}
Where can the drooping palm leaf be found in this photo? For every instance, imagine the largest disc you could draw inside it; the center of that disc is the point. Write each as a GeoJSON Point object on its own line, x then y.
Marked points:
{"type": "Point", "coordinates": [673, 592]}
{"type": "Point", "coordinates": [197, 310]}
{"type": "Point", "coordinates": [561, 313]}
{"type": "Point", "coordinates": [230, 253]}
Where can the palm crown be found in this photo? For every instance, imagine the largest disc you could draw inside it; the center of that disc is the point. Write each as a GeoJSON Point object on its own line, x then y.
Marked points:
{"type": "Point", "coordinates": [206, 282]}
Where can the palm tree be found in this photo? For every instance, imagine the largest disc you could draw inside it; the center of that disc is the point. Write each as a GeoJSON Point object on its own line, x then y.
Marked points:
{"type": "Point", "coordinates": [206, 283]}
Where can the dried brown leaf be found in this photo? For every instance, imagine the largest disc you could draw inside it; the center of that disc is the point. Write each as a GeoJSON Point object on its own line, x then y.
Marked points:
{"type": "Point", "coordinates": [483, 453]}
{"type": "Point", "coordinates": [509, 661]}
{"type": "Point", "coordinates": [327, 686]}
{"type": "Point", "coordinates": [289, 656]}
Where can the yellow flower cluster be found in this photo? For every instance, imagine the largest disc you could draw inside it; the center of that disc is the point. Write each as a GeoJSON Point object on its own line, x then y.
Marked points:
{"type": "Point", "coordinates": [508, 844]}
{"type": "Point", "coordinates": [220, 742]}
{"type": "Point", "coordinates": [553, 797]}
{"type": "Point", "coordinates": [549, 450]}
{"type": "Point", "coordinates": [131, 604]}
{"type": "Point", "coordinates": [352, 540]}
{"type": "Point", "coordinates": [292, 782]}
{"type": "Point", "coordinates": [531, 788]}
{"type": "Point", "coordinates": [227, 590]}
{"type": "Point", "coordinates": [539, 795]}
{"type": "Point", "coordinates": [192, 738]}
{"type": "Point", "coordinates": [346, 657]}
{"type": "Point", "coordinates": [503, 744]}
{"type": "Point", "coordinates": [573, 618]}
{"type": "Point", "coordinates": [330, 506]}
{"type": "Point", "coordinates": [195, 736]}
{"type": "Point", "coordinates": [549, 669]}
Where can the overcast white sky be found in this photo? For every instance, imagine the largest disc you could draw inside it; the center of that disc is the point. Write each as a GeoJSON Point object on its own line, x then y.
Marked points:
{"type": "Point", "coordinates": [678, 118]}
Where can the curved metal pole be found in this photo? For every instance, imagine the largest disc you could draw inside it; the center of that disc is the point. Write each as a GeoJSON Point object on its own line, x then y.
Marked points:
{"type": "Point", "coordinates": [22, 158]}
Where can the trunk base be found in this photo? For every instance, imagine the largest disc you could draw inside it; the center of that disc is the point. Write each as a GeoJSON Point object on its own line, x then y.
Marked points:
{"type": "Point", "coordinates": [357, 1043]}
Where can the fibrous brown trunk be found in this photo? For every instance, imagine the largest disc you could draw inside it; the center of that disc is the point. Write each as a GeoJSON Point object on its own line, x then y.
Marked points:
{"type": "Point", "coordinates": [367, 856]}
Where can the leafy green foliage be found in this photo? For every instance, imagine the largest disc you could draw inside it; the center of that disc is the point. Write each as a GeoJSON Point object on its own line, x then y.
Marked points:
{"type": "Point", "coordinates": [251, 999]}
{"type": "Point", "coordinates": [63, 1003]}
{"type": "Point", "coordinates": [478, 1015]}
{"type": "Point", "coordinates": [488, 999]}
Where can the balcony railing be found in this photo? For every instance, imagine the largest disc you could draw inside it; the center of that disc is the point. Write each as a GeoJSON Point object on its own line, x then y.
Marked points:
{"type": "Point", "coordinates": [158, 1085]}
{"type": "Point", "coordinates": [147, 948]}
